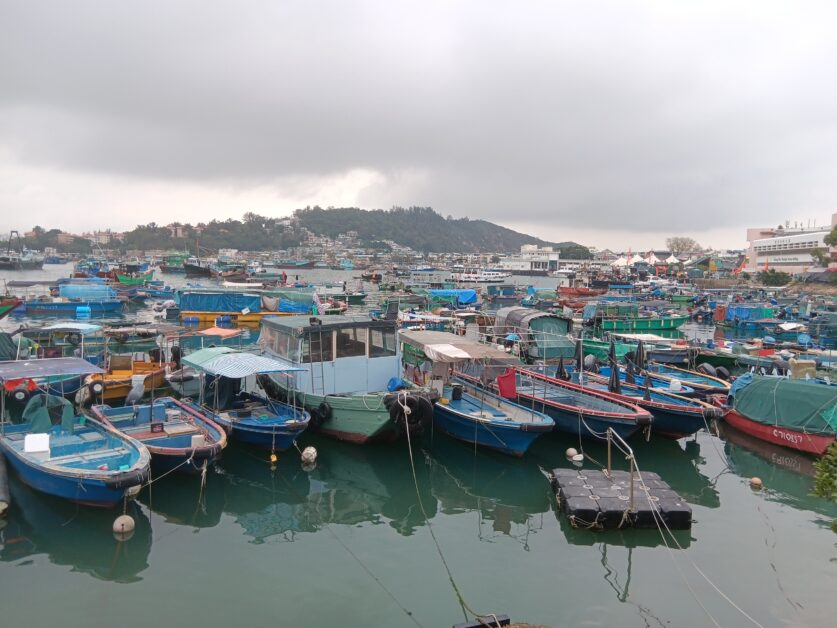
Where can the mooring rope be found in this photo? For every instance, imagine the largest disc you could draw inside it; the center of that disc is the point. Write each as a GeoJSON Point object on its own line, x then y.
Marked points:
{"type": "Point", "coordinates": [460, 598]}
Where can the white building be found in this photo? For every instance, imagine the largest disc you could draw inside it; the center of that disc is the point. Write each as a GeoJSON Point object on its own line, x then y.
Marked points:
{"type": "Point", "coordinates": [785, 248]}
{"type": "Point", "coordinates": [532, 261]}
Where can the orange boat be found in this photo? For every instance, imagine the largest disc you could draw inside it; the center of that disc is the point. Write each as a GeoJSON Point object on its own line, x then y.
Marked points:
{"type": "Point", "coordinates": [115, 384]}
{"type": "Point", "coordinates": [567, 291]}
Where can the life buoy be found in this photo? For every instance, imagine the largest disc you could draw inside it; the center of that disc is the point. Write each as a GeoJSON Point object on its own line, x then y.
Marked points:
{"type": "Point", "coordinates": [96, 388]}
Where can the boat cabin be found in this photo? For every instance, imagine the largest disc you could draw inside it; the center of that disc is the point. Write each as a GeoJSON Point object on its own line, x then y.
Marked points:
{"type": "Point", "coordinates": [542, 335]}
{"type": "Point", "coordinates": [341, 354]}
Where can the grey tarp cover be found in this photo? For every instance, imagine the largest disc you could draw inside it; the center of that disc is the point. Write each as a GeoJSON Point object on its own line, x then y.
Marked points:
{"type": "Point", "coordinates": [20, 369]}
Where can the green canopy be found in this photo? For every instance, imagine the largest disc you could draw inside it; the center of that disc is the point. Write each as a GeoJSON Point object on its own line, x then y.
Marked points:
{"type": "Point", "coordinates": [795, 404]}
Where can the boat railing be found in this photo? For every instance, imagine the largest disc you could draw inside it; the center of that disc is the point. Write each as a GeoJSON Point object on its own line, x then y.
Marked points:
{"type": "Point", "coordinates": [621, 445]}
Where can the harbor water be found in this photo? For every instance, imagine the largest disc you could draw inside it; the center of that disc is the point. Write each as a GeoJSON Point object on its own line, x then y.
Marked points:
{"type": "Point", "coordinates": [359, 541]}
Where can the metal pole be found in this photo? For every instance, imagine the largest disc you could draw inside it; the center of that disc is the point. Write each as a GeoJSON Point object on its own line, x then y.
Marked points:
{"type": "Point", "coordinates": [609, 440]}
{"type": "Point", "coordinates": [631, 501]}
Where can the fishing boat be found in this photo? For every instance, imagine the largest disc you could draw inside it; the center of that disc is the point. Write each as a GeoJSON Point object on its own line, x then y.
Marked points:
{"type": "Point", "coordinates": [64, 455]}
{"type": "Point", "coordinates": [702, 383]}
{"type": "Point", "coordinates": [538, 335]}
{"type": "Point", "coordinates": [675, 416]}
{"type": "Point", "coordinates": [7, 304]}
{"type": "Point", "coordinates": [178, 434]}
{"type": "Point", "coordinates": [796, 414]}
{"type": "Point", "coordinates": [466, 410]}
{"type": "Point", "coordinates": [123, 375]}
{"type": "Point", "coordinates": [246, 416]}
{"type": "Point", "coordinates": [575, 409]}
{"type": "Point", "coordinates": [173, 264]}
{"type": "Point", "coordinates": [135, 279]}
{"type": "Point", "coordinates": [643, 324]}
{"type": "Point", "coordinates": [349, 363]}
{"type": "Point", "coordinates": [579, 291]}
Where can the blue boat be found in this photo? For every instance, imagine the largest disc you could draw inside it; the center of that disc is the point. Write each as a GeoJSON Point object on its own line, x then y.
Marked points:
{"type": "Point", "coordinates": [64, 455]}
{"type": "Point", "coordinates": [178, 434]}
{"type": "Point", "coordinates": [576, 409]}
{"type": "Point", "coordinates": [657, 384]}
{"type": "Point", "coordinates": [675, 416]}
{"type": "Point", "coordinates": [246, 416]}
{"type": "Point", "coordinates": [475, 415]}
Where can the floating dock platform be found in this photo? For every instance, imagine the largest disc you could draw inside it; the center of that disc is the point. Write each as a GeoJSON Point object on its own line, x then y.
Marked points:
{"type": "Point", "coordinates": [591, 499]}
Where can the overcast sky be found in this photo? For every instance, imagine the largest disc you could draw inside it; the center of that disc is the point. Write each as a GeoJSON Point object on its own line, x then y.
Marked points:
{"type": "Point", "coordinates": [613, 123]}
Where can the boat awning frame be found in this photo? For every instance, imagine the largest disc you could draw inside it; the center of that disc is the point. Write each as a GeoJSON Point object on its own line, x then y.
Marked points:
{"type": "Point", "coordinates": [45, 367]}
{"type": "Point", "coordinates": [228, 362]}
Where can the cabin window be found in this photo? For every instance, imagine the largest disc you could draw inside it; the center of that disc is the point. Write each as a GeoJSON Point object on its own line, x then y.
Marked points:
{"type": "Point", "coordinates": [381, 343]}
{"type": "Point", "coordinates": [282, 343]}
{"type": "Point", "coordinates": [313, 350]}
{"type": "Point", "coordinates": [351, 342]}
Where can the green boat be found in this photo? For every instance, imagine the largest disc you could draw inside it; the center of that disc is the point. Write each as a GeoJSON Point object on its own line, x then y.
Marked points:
{"type": "Point", "coordinates": [601, 348]}
{"type": "Point", "coordinates": [136, 280]}
{"type": "Point", "coordinates": [350, 298]}
{"type": "Point", "coordinates": [7, 304]}
{"type": "Point", "coordinates": [637, 325]}
{"type": "Point", "coordinates": [348, 363]}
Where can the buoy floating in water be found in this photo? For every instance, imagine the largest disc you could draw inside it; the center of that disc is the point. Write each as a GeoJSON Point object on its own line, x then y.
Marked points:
{"type": "Point", "coordinates": [309, 458]}
{"type": "Point", "coordinates": [123, 527]}
{"type": "Point", "coordinates": [756, 483]}
{"type": "Point", "coordinates": [309, 455]}
{"type": "Point", "coordinates": [571, 452]}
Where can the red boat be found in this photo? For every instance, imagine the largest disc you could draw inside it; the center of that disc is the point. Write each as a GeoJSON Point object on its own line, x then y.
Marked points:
{"type": "Point", "coordinates": [567, 291]}
{"type": "Point", "coordinates": [793, 413]}
{"type": "Point", "coordinates": [7, 304]}
{"type": "Point", "coordinates": [816, 444]}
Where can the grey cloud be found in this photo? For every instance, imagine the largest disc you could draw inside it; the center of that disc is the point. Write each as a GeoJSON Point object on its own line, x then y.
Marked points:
{"type": "Point", "coordinates": [647, 117]}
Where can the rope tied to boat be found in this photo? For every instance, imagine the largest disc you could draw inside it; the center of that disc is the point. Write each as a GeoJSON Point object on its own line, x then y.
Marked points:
{"type": "Point", "coordinates": [460, 598]}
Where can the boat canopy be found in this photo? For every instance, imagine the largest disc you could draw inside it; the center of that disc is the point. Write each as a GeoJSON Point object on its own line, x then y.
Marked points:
{"type": "Point", "coordinates": [300, 325]}
{"type": "Point", "coordinates": [80, 328]}
{"type": "Point", "coordinates": [221, 332]}
{"type": "Point", "coordinates": [46, 367]}
{"type": "Point", "coordinates": [442, 346]}
{"type": "Point", "coordinates": [227, 362]}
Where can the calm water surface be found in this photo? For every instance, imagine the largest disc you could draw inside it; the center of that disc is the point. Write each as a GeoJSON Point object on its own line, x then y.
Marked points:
{"type": "Point", "coordinates": [348, 543]}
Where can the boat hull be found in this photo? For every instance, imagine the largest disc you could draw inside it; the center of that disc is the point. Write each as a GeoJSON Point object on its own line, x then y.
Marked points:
{"type": "Point", "coordinates": [70, 308]}
{"type": "Point", "coordinates": [816, 444]}
{"type": "Point", "coordinates": [513, 441]}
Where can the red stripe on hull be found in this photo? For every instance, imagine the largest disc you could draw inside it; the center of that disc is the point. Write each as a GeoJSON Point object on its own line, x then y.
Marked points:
{"type": "Point", "coordinates": [816, 444]}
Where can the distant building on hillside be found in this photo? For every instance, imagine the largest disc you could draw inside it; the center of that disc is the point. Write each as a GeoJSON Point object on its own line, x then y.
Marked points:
{"type": "Point", "coordinates": [532, 261]}
{"type": "Point", "coordinates": [785, 248]}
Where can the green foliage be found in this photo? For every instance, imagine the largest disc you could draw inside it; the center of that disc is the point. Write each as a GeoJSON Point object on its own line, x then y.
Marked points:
{"type": "Point", "coordinates": [825, 478]}
{"type": "Point", "coordinates": [422, 229]}
{"type": "Point", "coordinates": [41, 239]}
{"type": "Point", "coordinates": [772, 277]}
{"type": "Point", "coordinates": [821, 256]}
{"type": "Point", "coordinates": [831, 238]}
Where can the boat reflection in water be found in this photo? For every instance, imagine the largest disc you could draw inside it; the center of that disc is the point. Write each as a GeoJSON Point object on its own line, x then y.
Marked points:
{"type": "Point", "coordinates": [275, 502]}
{"type": "Point", "coordinates": [788, 475]}
{"type": "Point", "coordinates": [78, 537]}
{"type": "Point", "coordinates": [509, 495]}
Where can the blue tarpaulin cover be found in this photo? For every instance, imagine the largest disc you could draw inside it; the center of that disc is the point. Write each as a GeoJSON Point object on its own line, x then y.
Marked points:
{"type": "Point", "coordinates": [463, 297]}
{"type": "Point", "coordinates": [95, 291]}
{"type": "Point", "coordinates": [220, 302]}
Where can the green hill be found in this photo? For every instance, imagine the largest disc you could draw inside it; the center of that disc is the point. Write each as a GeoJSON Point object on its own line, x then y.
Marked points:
{"type": "Point", "coordinates": [422, 229]}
